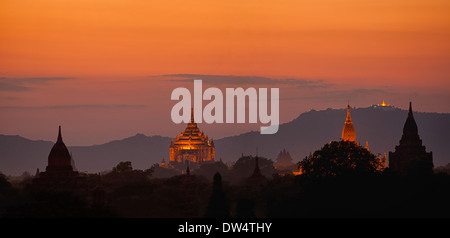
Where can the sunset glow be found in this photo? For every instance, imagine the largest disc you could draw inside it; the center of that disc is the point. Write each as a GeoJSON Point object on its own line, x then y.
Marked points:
{"type": "Point", "coordinates": [107, 67]}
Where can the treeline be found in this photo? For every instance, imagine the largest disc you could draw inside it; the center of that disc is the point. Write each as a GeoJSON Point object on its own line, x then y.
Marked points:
{"type": "Point", "coordinates": [337, 187]}
{"type": "Point", "coordinates": [136, 195]}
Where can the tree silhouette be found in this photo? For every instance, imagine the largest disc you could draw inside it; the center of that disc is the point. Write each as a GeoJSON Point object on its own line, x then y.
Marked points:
{"type": "Point", "coordinates": [339, 158]}
{"type": "Point", "coordinates": [123, 167]}
{"type": "Point", "coordinates": [4, 181]}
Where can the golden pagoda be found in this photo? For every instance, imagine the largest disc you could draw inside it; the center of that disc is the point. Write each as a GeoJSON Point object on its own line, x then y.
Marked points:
{"type": "Point", "coordinates": [348, 132]}
{"type": "Point", "coordinates": [383, 104]}
{"type": "Point", "coordinates": [191, 145]}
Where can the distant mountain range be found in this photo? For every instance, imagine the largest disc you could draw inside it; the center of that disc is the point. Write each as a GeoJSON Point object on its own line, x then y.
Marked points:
{"type": "Point", "coordinates": [19, 154]}
{"type": "Point", "coordinates": [382, 129]}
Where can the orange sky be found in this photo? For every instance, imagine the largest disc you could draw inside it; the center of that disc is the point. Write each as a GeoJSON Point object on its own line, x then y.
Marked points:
{"type": "Point", "coordinates": [111, 52]}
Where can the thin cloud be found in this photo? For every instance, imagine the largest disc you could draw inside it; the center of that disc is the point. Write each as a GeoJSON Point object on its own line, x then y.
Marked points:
{"type": "Point", "coordinates": [339, 94]}
{"type": "Point", "coordinates": [248, 80]}
{"type": "Point", "coordinates": [10, 98]}
{"type": "Point", "coordinates": [25, 84]}
{"type": "Point", "coordinates": [76, 106]}
{"type": "Point", "coordinates": [12, 86]}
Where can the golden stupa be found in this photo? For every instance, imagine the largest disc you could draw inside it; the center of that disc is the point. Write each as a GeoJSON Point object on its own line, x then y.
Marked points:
{"type": "Point", "coordinates": [348, 132]}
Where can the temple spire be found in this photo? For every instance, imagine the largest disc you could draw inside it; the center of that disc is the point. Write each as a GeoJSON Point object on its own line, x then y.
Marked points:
{"type": "Point", "coordinates": [348, 132]}
{"type": "Point", "coordinates": [349, 118]}
{"type": "Point", "coordinates": [59, 154]}
{"type": "Point", "coordinates": [192, 115]}
{"type": "Point", "coordinates": [256, 171]}
{"type": "Point", "coordinates": [410, 113]}
{"type": "Point", "coordinates": [410, 131]}
{"type": "Point", "coordinates": [59, 135]}
{"type": "Point", "coordinates": [410, 156]}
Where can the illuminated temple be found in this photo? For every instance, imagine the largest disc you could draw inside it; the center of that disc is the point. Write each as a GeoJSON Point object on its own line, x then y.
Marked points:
{"type": "Point", "coordinates": [191, 146]}
{"type": "Point", "coordinates": [348, 132]}
{"type": "Point", "coordinates": [384, 106]}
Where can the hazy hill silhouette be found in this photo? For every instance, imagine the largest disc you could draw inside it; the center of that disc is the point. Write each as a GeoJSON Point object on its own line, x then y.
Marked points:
{"type": "Point", "coordinates": [141, 150]}
{"type": "Point", "coordinates": [311, 130]}
{"type": "Point", "coordinates": [303, 135]}
{"type": "Point", "coordinates": [19, 154]}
